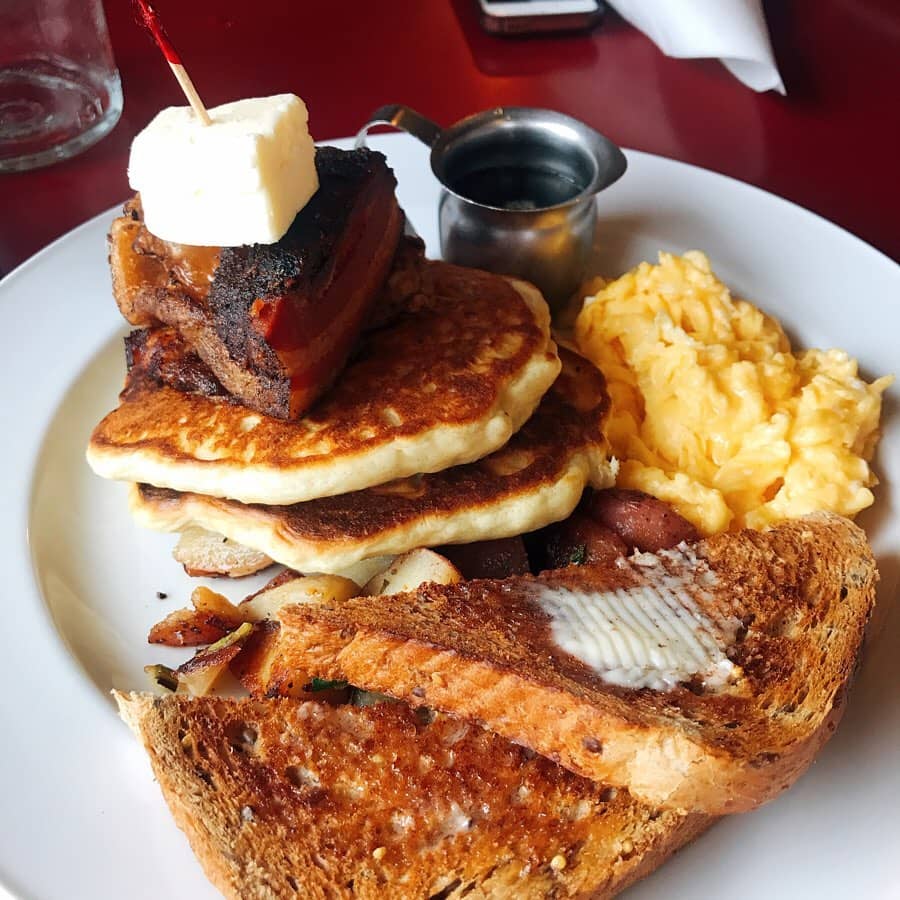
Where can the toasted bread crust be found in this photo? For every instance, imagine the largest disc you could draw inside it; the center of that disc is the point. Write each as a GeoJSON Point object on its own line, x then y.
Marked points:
{"type": "Point", "coordinates": [286, 798]}
{"type": "Point", "coordinates": [485, 651]}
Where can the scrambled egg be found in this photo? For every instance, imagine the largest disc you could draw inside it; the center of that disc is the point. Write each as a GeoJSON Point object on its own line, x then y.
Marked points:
{"type": "Point", "coordinates": [713, 412]}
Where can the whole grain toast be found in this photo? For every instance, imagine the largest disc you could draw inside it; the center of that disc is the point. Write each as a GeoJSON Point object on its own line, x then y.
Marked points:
{"type": "Point", "coordinates": [781, 614]}
{"type": "Point", "coordinates": [283, 798]}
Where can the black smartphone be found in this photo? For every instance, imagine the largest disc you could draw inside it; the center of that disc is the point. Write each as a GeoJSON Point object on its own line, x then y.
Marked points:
{"type": "Point", "coordinates": [522, 17]}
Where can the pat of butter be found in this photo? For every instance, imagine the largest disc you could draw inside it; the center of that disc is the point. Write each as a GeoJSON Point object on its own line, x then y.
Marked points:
{"type": "Point", "coordinates": [240, 180]}
{"type": "Point", "coordinates": [650, 636]}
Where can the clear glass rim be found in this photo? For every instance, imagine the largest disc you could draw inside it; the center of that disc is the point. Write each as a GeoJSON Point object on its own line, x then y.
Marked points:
{"type": "Point", "coordinates": [75, 145]}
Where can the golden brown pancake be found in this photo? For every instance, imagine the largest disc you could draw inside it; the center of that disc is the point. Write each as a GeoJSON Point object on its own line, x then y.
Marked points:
{"type": "Point", "coordinates": [537, 478]}
{"type": "Point", "coordinates": [447, 382]}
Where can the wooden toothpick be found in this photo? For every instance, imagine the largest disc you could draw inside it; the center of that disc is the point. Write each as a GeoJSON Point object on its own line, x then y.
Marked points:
{"type": "Point", "coordinates": [151, 21]}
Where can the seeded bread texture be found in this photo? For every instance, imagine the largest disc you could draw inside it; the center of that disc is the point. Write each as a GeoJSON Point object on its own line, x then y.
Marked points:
{"type": "Point", "coordinates": [484, 650]}
{"type": "Point", "coordinates": [281, 799]}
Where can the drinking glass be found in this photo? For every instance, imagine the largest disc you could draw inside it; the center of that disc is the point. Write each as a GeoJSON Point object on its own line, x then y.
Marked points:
{"type": "Point", "coordinates": [59, 86]}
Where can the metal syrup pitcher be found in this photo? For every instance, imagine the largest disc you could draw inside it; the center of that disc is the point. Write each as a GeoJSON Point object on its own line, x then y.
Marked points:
{"type": "Point", "coordinates": [518, 190]}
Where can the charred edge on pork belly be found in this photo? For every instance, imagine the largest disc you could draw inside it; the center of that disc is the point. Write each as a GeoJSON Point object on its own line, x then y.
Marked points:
{"type": "Point", "coordinates": [159, 356]}
{"type": "Point", "coordinates": [265, 303]}
{"type": "Point", "coordinates": [295, 265]}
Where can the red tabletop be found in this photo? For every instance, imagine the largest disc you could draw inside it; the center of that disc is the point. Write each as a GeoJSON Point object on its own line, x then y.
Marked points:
{"type": "Point", "coordinates": [830, 145]}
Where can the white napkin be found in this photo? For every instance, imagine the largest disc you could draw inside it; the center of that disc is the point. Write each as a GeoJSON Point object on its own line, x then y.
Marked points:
{"type": "Point", "coordinates": [734, 31]}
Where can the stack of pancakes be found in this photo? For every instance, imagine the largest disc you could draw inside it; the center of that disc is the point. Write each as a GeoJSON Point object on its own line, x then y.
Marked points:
{"type": "Point", "coordinates": [456, 420]}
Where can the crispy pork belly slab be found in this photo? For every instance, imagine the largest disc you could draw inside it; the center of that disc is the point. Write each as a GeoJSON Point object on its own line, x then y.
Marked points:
{"type": "Point", "coordinates": [274, 322]}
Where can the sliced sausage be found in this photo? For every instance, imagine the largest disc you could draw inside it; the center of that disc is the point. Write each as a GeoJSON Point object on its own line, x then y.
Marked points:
{"type": "Point", "coordinates": [641, 521]}
{"type": "Point", "coordinates": [488, 559]}
{"type": "Point", "coordinates": [575, 541]}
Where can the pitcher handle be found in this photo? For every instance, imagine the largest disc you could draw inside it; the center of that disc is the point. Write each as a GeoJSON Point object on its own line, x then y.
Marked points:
{"type": "Point", "coordinates": [402, 117]}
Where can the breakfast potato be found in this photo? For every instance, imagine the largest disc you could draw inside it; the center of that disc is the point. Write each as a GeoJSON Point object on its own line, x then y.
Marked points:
{"type": "Point", "coordinates": [366, 569]}
{"type": "Point", "coordinates": [201, 672]}
{"type": "Point", "coordinates": [297, 589]}
{"type": "Point", "coordinates": [205, 553]}
{"type": "Point", "coordinates": [407, 572]}
{"type": "Point", "coordinates": [212, 617]}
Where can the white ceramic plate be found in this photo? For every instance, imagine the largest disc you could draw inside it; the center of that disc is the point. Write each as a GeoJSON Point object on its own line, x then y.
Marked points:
{"type": "Point", "coordinates": [82, 817]}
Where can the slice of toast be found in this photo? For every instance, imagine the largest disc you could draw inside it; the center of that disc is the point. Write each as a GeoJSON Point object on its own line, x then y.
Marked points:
{"type": "Point", "coordinates": [284, 798]}
{"type": "Point", "coordinates": [703, 678]}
